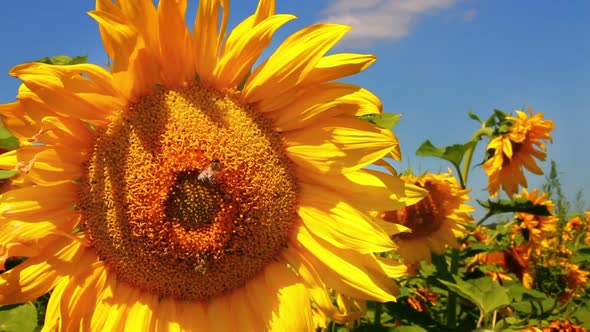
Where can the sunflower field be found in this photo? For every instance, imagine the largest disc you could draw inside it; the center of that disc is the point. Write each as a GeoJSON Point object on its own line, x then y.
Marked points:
{"type": "Point", "coordinates": [191, 187]}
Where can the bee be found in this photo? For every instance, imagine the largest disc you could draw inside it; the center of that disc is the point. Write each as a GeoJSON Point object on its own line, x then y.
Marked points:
{"type": "Point", "coordinates": [208, 174]}
{"type": "Point", "coordinates": [201, 266]}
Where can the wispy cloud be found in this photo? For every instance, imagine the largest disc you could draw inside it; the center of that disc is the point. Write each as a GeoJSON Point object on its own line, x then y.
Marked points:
{"type": "Point", "coordinates": [469, 15]}
{"type": "Point", "coordinates": [380, 20]}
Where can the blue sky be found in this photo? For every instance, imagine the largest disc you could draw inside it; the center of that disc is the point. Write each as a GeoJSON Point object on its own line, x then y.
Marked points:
{"type": "Point", "coordinates": [437, 60]}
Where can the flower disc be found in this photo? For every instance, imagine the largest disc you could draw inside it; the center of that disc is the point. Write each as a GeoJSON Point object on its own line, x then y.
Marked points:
{"type": "Point", "coordinates": [188, 193]}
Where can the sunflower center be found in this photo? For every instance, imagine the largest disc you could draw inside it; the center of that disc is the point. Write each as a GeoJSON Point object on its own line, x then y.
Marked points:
{"type": "Point", "coordinates": [191, 203]}
{"type": "Point", "coordinates": [188, 193]}
{"type": "Point", "coordinates": [423, 218]}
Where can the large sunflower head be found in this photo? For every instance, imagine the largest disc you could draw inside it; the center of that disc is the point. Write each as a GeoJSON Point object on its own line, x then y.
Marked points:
{"type": "Point", "coordinates": [185, 188]}
{"type": "Point", "coordinates": [435, 222]}
{"type": "Point", "coordinates": [511, 152]}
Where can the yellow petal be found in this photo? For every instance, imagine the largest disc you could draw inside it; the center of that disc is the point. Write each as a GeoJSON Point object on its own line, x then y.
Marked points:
{"type": "Point", "coordinates": [167, 316]}
{"type": "Point", "coordinates": [93, 320]}
{"type": "Point", "coordinates": [292, 62]}
{"type": "Point", "coordinates": [23, 118]}
{"type": "Point", "coordinates": [74, 297]}
{"type": "Point", "coordinates": [339, 65]}
{"type": "Point", "coordinates": [111, 307]}
{"type": "Point", "coordinates": [177, 57]}
{"type": "Point", "coordinates": [192, 316]}
{"type": "Point", "coordinates": [67, 92]}
{"type": "Point", "coordinates": [143, 312]}
{"type": "Point", "coordinates": [242, 312]}
{"type": "Point", "coordinates": [318, 292]}
{"type": "Point", "coordinates": [369, 190]}
{"type": "Point", "coordinates": [15, 159]}
{"type": "Point", "coordinates": [339, 145]}
{"type": "Point", "coordinates": [56, 166]}
{"type": "Point", "coordinates": [119, 38]}
{"type": "Point", "coordinates": [323, 101]}
{"type": "Point", "coordinates": [346, 271]}
{"type": "Point", "coordinates": [33, 200]}
{"type": "Point", "coordinates": [206, 36]}
{"type": "Point", "coordinates": [329, 217]}
{"type": "Point", "coordinates": [69, 132]}
{"type": "Point", "coordinates": [37, 275]}
{"type": "Point", "coordinates": [217, 313]}
{"type": "Point", "coordinates": [143, 16]}
{"type": "Point", "coordinates": [294, 311]}
{"type": "Point", "coordinates": [243, 49]}
{"type": "Point", "coordinates": [22, 239]}
{"type": "Point", "coordinates": [392, 269]}
{"type": "Point", "coordinates": [135, 67]}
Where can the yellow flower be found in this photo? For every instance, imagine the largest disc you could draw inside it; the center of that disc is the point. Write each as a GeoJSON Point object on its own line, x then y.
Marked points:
{"type": "Point", "coordinates": [518, 148]}
{"type": "Point", "coordinates": [572, 228]}
{"type": "Point", "coordinates": [435, 222]}
{"type": "Point", "coordinates": [576, 279]}
{"type": "Point", "coordinates": [178, 191]}
{"type": "Point", "coordinates": [537, 230]}
{"type": "Point", "coordinates": [557, 326]}
{"type": "Point", "coordinates": [514, 260]}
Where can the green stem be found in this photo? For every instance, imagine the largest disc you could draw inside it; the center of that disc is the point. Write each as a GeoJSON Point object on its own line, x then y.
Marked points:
{"type": "Point", "coordinates": [454, 268]}
{"type": "Point", "coordinates": [452, 301]}
{"type": "Point", "coordinates": [464, 174]}
{"type": "Point", "coordinates": [378, 312]}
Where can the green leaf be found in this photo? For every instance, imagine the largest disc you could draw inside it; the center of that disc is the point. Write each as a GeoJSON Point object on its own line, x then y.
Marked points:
{"type": "Point", "coordinates": [519, 204]}
{"type": "Point", "coordinates": [7, 173]}
{"type": "Point", "coordinates": [18, 318]}
{"type": "Point", "coordinates": [474, 117]}
{"type": "Point", "coordinates": [518, 292]}
{"type": "Point", "coordinates": [453, 153]}
{"type": "Point", "coordinates": [484, 292]}
{"type": "Point", "coordinates": [7, 140]}
{"type": "Point", "coordinates": [64, 60]}
{"type": "Point", "coordinates": [410, 328]}
{"type": "Point", "coordinates": [385, 120]}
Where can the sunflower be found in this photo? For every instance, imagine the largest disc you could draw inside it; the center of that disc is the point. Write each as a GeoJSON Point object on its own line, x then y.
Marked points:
{"type": "Point", "coordinates": [537, 230]}
{"type": "Point", "coordinates": [435, 222]}
{"type": "Point", "coordinates": [557, 326]}
{"type": "Point", "coordinates": [514, 260]}
{"type": "Point", "coordinates": [179, 191]}
{"type": "Point", "coordinates": [518, 148]}
{"type": "Point", "coordinates": [576, 280]}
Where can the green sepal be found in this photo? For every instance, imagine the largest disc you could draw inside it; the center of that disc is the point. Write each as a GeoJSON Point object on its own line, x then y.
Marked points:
{"type": "Point", "coordinates": [385, 120]}
{"type": "Point", "coordinates": [64, 60]}
{"type": "Point", "coordinates": [519, 204]}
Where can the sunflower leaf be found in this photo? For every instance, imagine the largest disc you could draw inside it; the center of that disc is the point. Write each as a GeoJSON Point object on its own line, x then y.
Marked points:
{"type": "Point", "coordinates": [452, 153]}
{"type": "Point", "coordinates": [519, 204]}
{"type": "Point", "coordinates": [18, 318]}
{"type": "Point", "coordinates": [474, 117]}
{"type": "Point", "coordinates": [484, 292]}
{"type": "Point", "coordinates": [7, 140]}
{"type": "Point", "coordinates": [64, 60]}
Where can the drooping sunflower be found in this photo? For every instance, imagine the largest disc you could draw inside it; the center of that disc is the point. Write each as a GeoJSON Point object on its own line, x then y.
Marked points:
{"type": "Point", "coordinates": [538, 231]}
{"type": "Point", "coordinates": [515, 150]}
{"type": "Point", "coordinates": [515, 260]}
{"type": "Point", "coordinates": [179, 191]}
{"type": "Point", "coordinates": [557, 326]}
{"type": "Point", "coordinates": [435, 222]}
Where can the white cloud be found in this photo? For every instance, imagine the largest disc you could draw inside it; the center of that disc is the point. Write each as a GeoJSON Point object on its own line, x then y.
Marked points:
{"type": "Point", "coordinates": [379, 20]}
